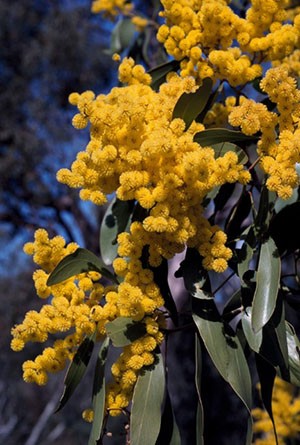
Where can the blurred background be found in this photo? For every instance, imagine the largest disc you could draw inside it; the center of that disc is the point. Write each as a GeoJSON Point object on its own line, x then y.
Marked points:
{"type": "Point", "coordinates": [48, 50]}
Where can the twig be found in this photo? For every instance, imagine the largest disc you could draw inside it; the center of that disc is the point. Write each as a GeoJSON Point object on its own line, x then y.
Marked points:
{"type": "Point", "coordinates": [33, 439]}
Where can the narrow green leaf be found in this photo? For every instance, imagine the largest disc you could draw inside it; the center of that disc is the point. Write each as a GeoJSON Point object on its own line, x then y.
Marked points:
{"type": "Point", "coordinates": [254, 339]}
{"type": "Point", "coordinates": [280, 332]}
{"type": "Point", "coordinates": [168, 429]}
{"type": "Point", "coordinates": [212, 99]}
{"type": "Point", "coordinates": [198, 372]}
{"type": "Point", "coordinates": [147, 399]}
{"type": "Point", "coordinates": [115, 221]}
{"type": "Point", "coordinates": [214, 136]}
{"type": "Point", "coordinates": [123, 330]}
{"type": "Point", "coordinates": [293, 344]}
{"type": "Point", "coordinates": [266, 373]}
{"type": "Point", "coordinates": [175, 439]}
{"type": "Point", "coordinates": [228, 356]}
{"type": "Point", "coordinates": [266, 205]}
{"type": "Point", "coordinates": [190, 105]}
{"type": "Point", "coordinates": [224, 147]}
{"type": "Point", "coordinates": [99, 394]}
{"type": "Point", "coordinates": [77, 369]}
{"type": "Point", "coordinates": [160, 72]}
{"type": "Point", "coordinates": [267, 283]}
{"type": "Point", "coordinates": [82, 260]}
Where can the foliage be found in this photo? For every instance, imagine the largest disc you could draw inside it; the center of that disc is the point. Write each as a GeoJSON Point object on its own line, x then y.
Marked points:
{"type": "Point", "coordinates": [194, 170]}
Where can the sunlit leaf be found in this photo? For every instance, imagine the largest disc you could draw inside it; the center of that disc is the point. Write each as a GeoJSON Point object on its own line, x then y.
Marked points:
{"type": "Point", "coordinates": [190, 105]}
{"type": "Point", "coordinates": [99, 394]}
{"type": "Point", "coordinates": [115, 221]}
{"type": "Point", "coordinates": [281, 335]}
{"type": "Point", "coordinates": [147, 400]}
{"type": "Point", "coordinates": [82, 260]}
{"type": "Point", "coordinates": [123, 330]}
{"type": "Point", "coordinates": [214, 136]}
{"type": "Point", "coordinates": [254, 339]}
{"type": "Point", "coordinates": [293, 344]}
{"type": "Point", "coordinates": [267, 283]}
{"type": "Point", "coordinates": [228, 356]}
{"type": "Point", "coordinates": [76, 369]}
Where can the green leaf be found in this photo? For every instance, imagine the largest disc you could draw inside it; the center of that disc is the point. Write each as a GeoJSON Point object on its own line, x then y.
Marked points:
{"type": "Point", "coordinates": [169, 433]}
{"type": "Point", "coordinates": [224, 147]}
{"type": "Point", "coordinates": [294, 354]}
{"type": "Point", "coordinates": [82, 260]}
{"type": "Point", "coordinates": [160, 72]}
{"type": "Point", "coordinates": [147, 399]}
{"type": "Point", "coordinates": [228, 356]}
{"type": "Point", "coordinates": [99, 394]}
{"type": "Point", "coordinates": [280, 332]}
{"type": "Point", "coordinates": [77, 369]}
{"type": "Point", "coordinates": [190, 105]}
{"type": "Point", "coordinates": [123, 331]}
{"type": "Point", "coordinates": [115, 221]}
{"type": "Point", "coordinates": [214, 136]}
{"type": "Point", "coordinates": [198, 372]}
{"type": "Point", "coordinates": [254, 339]}
{"type": "Point", "coordinates": [256, 85]}
{"type": "Point", "coordinates": [212, 99]}
{"type": "Point", "coordinates": [267, 283]}
{"type": "Point", "coordinates": [267, 374]}
{"type": "Point", "coordinates": [175, 439]}
{"type": "Point", "coordinates": [122, 35]}
{"type": "Point", "coordinates": [266, 205]}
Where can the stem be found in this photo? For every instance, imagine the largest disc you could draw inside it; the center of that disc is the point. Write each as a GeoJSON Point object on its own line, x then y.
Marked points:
{"type": "Point", "coordinates": [224, 282]}
{"type": "Point", "coordinates": [254, 163]}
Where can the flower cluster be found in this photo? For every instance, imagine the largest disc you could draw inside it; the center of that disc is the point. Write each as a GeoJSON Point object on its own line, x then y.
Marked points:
{"type": "Point", "coordinates": [69, 309]}
{"type": "Point", "coordinates": [137, 355]}
{"type": "Point", "coordinates": [286, 412]}
{"type": "Point", "coordinates": [138, 151]}
{"type": "Point", "coordinates": [278, 156]}
{"type": "Point", "coordinates": [202, 36]}
{"type": "Point", "coordinates": [81, 306]}
{"type": "Point", "coordinates": [218, 115]}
